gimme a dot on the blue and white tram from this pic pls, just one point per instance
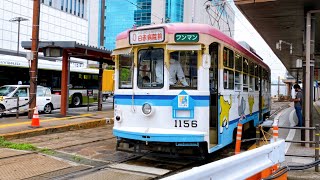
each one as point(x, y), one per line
point(185, 86)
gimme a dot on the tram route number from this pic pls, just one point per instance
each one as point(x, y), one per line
point(185, 123)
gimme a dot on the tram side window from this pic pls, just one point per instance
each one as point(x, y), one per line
point(125, 71)
point(257, 78)
point(245, 74)
point(150, 68)
point(183, 70)
point(251, 72)
point(228, 58)
point(238, 67)
point(228, 79)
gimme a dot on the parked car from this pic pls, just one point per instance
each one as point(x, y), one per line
point(46, 101)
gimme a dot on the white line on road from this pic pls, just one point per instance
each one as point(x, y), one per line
point(292, 132)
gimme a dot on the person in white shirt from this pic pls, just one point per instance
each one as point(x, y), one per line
point(175, 70)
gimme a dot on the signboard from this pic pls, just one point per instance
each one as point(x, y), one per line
point(146, 36)
point(186, 37)
point(89, 92)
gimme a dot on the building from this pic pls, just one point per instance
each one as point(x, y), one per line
point(120, 15)
point(59, 20)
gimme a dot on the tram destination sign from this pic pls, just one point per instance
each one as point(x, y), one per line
point(186, 37)
point(146, 36)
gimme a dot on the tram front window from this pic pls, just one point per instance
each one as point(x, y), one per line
point(183, 70)
point(125, 71)
point(150, 68)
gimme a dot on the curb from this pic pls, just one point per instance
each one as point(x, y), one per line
point(57, 129)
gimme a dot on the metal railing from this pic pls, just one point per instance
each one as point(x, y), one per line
point(316, 142)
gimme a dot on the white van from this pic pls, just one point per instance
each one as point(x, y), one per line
point(46, 101)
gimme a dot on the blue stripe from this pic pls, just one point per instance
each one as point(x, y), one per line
point(158, 137)
point(157, 100)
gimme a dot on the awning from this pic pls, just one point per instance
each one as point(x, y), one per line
point(184, 47)
point(121, 51)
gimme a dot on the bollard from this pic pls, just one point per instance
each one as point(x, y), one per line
point(317, 148)
point(17, 112)
point(238, 138)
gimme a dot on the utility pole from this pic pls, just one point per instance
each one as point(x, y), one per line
point(278, 88)
point(34, 63)
point(18, 19)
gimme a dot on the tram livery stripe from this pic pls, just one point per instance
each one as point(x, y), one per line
point(157, 100)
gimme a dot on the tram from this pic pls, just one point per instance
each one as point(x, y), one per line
point(181, 86)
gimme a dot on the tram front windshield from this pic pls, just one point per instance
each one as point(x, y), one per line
point(150, 69)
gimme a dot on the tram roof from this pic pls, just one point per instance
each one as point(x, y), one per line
point(76, 49)
point(172, 28)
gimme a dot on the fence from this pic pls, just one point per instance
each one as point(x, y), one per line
point(316, 142)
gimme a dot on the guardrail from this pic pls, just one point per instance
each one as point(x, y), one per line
point(239, 166)
point(316, 142)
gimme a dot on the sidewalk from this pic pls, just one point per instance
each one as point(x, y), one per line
point(13, 128)
point(297, 149)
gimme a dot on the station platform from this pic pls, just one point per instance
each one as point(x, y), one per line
point(15, 128)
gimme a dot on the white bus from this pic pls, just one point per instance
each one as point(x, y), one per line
point(15, 68)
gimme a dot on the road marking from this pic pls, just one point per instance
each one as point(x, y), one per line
point(292, 132)
point(46, 120)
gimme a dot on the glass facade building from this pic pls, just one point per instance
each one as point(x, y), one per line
point(174, 10)
point(124, 14)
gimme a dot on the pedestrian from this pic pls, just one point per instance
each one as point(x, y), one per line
point(298, 103)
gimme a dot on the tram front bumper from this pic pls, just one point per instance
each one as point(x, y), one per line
point(159, 135)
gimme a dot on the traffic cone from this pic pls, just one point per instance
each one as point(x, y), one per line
point(238, 138)
point(35, 123)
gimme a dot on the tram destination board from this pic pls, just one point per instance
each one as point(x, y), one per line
point(186, 37)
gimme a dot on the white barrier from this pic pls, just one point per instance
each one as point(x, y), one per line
point(239, 166)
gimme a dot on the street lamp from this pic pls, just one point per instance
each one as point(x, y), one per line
point(18, 19)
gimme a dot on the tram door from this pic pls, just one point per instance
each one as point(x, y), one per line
point(213, 78)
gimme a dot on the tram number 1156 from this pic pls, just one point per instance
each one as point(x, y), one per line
point(185, 123)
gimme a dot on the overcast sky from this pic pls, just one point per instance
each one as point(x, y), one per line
point(245, 32)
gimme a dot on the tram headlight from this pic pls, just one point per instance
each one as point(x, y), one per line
point(146, 109)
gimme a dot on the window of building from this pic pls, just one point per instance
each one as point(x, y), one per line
point(228, 58)
point(67, 5)
point(75, 7)
point(82, 12)
point(70, 6)
point(228, 79)
point(125, 71)
point(183, 70)
point(150, 68)
point(62, 3)
point(79, 7)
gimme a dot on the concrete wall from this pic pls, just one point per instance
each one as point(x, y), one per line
point(93, 18)
point(158, 11)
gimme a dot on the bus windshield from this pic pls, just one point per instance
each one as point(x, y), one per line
point(6, 90)
point(150, 68)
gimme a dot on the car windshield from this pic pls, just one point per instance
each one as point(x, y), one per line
point(6, 90)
